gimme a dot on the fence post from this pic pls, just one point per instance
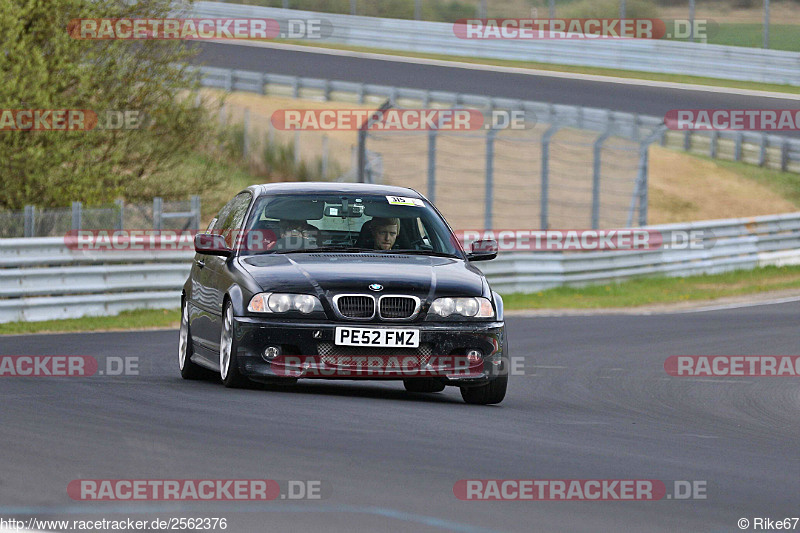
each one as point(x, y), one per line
point(432, 164)
point(687, 140)
point(598, 148)
point(158, 204)
point(76, 215)
point(30, 221)
point(762, 153)
point(120, 203)
point(712, 150)
point(785, 155)
point(246, 137)
point(489, 194)
point(552, 130)
point(229, 81)
point(296, 148)
point(327, 90)
point(296, 87)
point(325, 155)
point(640, 192)
point(737, 147)
point(196, 211)
point(360, 93)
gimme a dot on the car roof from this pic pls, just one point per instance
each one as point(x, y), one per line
point(327, 187)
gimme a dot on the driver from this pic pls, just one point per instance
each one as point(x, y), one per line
point(384, 232)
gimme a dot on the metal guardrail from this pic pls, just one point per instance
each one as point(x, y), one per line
point(41, 279)
point(735, 244)
point(669, 57)
point(758, 148)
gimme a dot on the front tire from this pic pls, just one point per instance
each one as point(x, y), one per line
point(189, 369)
point(492, 392)
point(228, 361)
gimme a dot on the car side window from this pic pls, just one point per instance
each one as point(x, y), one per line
point(231, 217)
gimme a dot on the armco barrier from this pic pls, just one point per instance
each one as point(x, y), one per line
point(41, 279)
point(669, 57)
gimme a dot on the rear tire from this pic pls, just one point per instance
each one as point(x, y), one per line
point(492, 392)
point(228, 361)
point(423, 385)
point(189, 369)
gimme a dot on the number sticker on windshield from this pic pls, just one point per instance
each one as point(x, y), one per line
point(402, 200)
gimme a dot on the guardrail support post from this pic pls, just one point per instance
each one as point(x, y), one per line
point(762, 152)
point(120, 203)
point(432, 165)
point(785, 155)
point(196, 211)
point(29, 223)
point(737, 147)
point(489, 193)
point(296, 87)
point(76, 215)
point(246, 137)
point(598, 149)
point(296, 148)
point(552, 130)
point(687, 140)
point(712, 149)
point(325, 155)
point(327, 90)
point(158, 205)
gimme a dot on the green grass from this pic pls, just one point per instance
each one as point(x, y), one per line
point(786, 184)
point(140, 319)
point(659, 290)
point(628, 74)
point(781, 36)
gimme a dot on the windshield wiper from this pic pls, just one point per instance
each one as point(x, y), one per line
point(324, 249)
point(421, 252)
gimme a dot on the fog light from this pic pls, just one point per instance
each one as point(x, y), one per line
point(474, 356)
point(271, 353)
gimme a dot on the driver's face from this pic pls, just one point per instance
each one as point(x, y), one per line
point(385, 237)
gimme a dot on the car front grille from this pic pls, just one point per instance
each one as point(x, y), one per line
point(334, 355)
point(398, 307)
point(354, 306)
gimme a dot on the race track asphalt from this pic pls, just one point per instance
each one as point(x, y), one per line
point(594, 402)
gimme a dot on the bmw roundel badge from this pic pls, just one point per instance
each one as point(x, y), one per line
point(376, 287)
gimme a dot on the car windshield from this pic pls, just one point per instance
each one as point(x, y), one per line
point(347, 223)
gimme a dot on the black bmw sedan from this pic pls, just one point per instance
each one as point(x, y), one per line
point(341, 281)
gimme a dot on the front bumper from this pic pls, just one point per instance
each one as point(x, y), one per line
point(308, 351)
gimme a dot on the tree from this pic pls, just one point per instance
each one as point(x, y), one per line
point(43, 67)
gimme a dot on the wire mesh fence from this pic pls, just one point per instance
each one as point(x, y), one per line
point(502, 179)
point(56, 222)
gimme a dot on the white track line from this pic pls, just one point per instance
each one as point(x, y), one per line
point(509, 70)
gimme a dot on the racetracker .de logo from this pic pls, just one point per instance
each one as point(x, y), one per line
point(70, 120)
point(174, 489)
point(47, 366)
point(578, 489)
point(389, 120)
point(534, 28)
point(733, 119)
point(173, 28)
point(733, 365)
point(627, 239)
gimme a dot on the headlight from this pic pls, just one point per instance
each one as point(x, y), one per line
point(276, 302)
point(471, 307)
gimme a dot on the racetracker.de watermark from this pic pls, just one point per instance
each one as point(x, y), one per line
point(733, 365)
point(627, 239)
point(583, 28)
point(733, 119)
point(67, 366)
point(578, 490)
point(71, 120)
point(401, 119)
point(173, 28)
point(196, 489)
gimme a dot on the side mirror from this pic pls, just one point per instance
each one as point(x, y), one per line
point(483, 250)
point(211, 244)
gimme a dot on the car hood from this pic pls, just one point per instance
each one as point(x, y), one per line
point(332, 273)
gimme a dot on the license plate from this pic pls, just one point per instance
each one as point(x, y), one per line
point(380, 338)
